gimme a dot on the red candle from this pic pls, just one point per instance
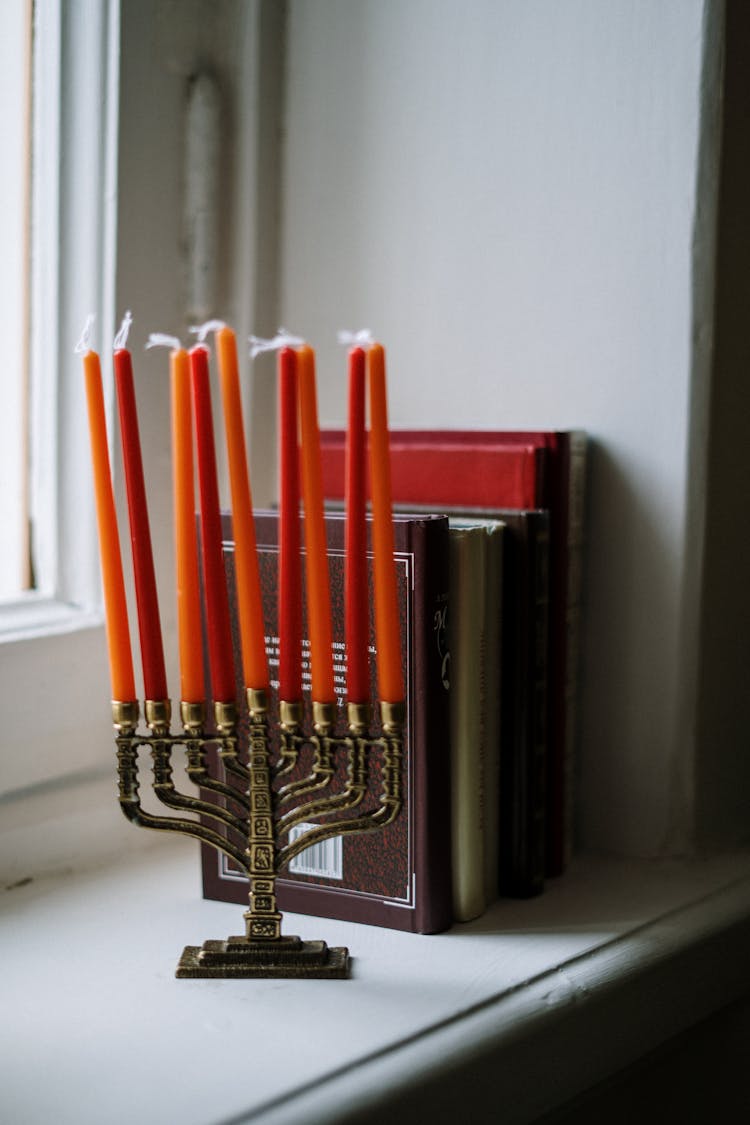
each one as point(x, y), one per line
point(250, 604)
point(387, 627)
point(149, 625)
point(356, 598)
point(290, 595)
point(218, 624)
point(316, 548)
point(192, 685)
point(115, 603)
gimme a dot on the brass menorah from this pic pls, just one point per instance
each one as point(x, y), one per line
point(262, 807)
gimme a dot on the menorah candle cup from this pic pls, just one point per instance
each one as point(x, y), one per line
point(290, 715)
point(193, 716)
point(393, 717)
point(158, 714)
point(225, 715)
point(257, 703)
point(125, 715)
point(324, 717)
point(359, 716)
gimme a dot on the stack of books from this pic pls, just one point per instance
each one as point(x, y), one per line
point(489, 536)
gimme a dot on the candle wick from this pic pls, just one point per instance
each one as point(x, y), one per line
point(162, 340)
point(361, 339)
point(121, 338)
point(282, 339)
point(202, 330)
point(83, 344)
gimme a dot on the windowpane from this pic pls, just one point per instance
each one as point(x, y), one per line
point(15, 50)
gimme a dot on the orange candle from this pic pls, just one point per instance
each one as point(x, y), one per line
point(115, 604)
point(387, 628)
point(192, 682)
point(316, 548)
point(251, 622)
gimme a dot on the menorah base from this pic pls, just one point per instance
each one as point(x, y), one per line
point(239, 957)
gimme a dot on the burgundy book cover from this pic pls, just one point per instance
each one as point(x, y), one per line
point(400, 876)
point(553, 479)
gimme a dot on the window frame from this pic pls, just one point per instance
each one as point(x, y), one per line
point(96, 220)
point(75, 91)
point(74, 225)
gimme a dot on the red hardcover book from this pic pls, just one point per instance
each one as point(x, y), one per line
point(549, 473)
point(480, 475)
point(400, 876)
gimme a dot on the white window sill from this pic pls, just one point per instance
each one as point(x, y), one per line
point(522, 1009)
point(33, 615)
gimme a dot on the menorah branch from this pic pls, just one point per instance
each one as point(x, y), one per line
point(127, 754)
point(350, 797)
point(198, 773)
point(322, 769)
point(169, 795)
point(389, 805)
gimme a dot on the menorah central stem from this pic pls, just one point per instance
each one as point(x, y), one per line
point(262, 919)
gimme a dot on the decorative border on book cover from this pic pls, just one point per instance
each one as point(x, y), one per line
point(379, 867)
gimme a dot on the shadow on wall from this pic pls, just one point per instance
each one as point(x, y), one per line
point(628, 689)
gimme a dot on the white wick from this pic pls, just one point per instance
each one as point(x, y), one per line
point(282, 339)
point(202, 330)
point(83, 344)
point(161, 340)
point(362, 339)
point(121, 338)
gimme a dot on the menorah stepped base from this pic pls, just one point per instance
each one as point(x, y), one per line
point(240, 957)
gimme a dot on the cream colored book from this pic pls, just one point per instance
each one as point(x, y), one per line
point(467, 642)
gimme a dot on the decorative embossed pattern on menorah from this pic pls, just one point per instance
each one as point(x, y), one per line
point(251, 819)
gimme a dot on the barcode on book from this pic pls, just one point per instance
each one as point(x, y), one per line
point(324, 859)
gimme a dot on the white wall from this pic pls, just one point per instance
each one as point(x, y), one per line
point(164, 45)
point(505, 193)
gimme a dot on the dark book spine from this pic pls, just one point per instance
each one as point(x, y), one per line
point(555, 501)
point(539, 663)
point(565, 502)
point(524, 722)
point(430, 726)
point(575, 453)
